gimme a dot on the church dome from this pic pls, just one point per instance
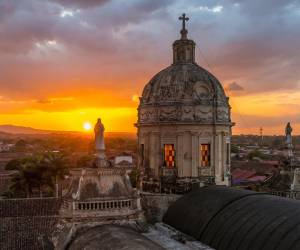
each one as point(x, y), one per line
point(183, 83)
point(184, 91)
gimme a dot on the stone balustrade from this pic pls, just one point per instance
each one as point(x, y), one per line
point(105, 205)
point(287, 194)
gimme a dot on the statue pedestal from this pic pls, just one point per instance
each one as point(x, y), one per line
point(100, 154)
point(101, 161)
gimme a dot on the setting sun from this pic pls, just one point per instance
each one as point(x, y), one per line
point(87, 126)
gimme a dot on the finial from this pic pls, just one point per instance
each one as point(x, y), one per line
point(183, 31)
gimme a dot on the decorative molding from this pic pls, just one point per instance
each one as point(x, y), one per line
point(168, 114)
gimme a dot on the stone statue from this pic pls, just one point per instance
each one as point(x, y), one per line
point(288, 133)
point(99, 139)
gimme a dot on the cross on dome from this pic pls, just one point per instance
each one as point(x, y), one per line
point(184, 19)
point(183, 31)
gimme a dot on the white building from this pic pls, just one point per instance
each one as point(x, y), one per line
point(5, 147)
point(126, 159)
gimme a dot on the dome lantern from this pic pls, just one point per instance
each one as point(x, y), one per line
point(184, 49)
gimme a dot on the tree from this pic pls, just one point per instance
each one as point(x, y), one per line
point(255, 154)
point(13, 164)
point(234, 149)
point(57, 167)
point(85, 161)
point(37, 173)
point(26, 178)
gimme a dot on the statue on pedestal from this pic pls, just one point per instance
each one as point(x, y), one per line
point(99, 143)
point(295, 171)
point(99, 135)
point(288, 140)
point(288, 133)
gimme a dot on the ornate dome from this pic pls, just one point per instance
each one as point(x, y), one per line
point(185, 83)
point(184, 91)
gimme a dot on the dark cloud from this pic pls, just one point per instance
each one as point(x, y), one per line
point(7, 9)
point(265, 55)
point(29, 23)
point(258, 8)
point(151, 5)
point(81, 3)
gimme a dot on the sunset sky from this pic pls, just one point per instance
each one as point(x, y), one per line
point(67, 62)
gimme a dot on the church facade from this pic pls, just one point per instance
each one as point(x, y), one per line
point(184, 124)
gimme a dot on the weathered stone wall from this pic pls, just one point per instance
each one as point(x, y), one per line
point(155, 205)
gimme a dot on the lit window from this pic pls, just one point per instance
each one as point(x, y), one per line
point(169, 155)
point(205, 155)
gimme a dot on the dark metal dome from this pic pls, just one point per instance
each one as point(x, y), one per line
point(227, 218)
point(109, 237)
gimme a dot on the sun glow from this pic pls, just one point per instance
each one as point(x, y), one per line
point(87, 126)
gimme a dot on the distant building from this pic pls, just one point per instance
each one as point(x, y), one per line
point(123, 160)
point(5, 147)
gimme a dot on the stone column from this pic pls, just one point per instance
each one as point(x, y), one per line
point(186, 168)
point(154, 152)
point(218, 160)
point(195, 154)
point(227, 166)
point(179, 154)
point(223, 166)
point(146, 150)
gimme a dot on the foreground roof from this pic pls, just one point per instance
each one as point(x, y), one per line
point(28, 223)
point(227, 218)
